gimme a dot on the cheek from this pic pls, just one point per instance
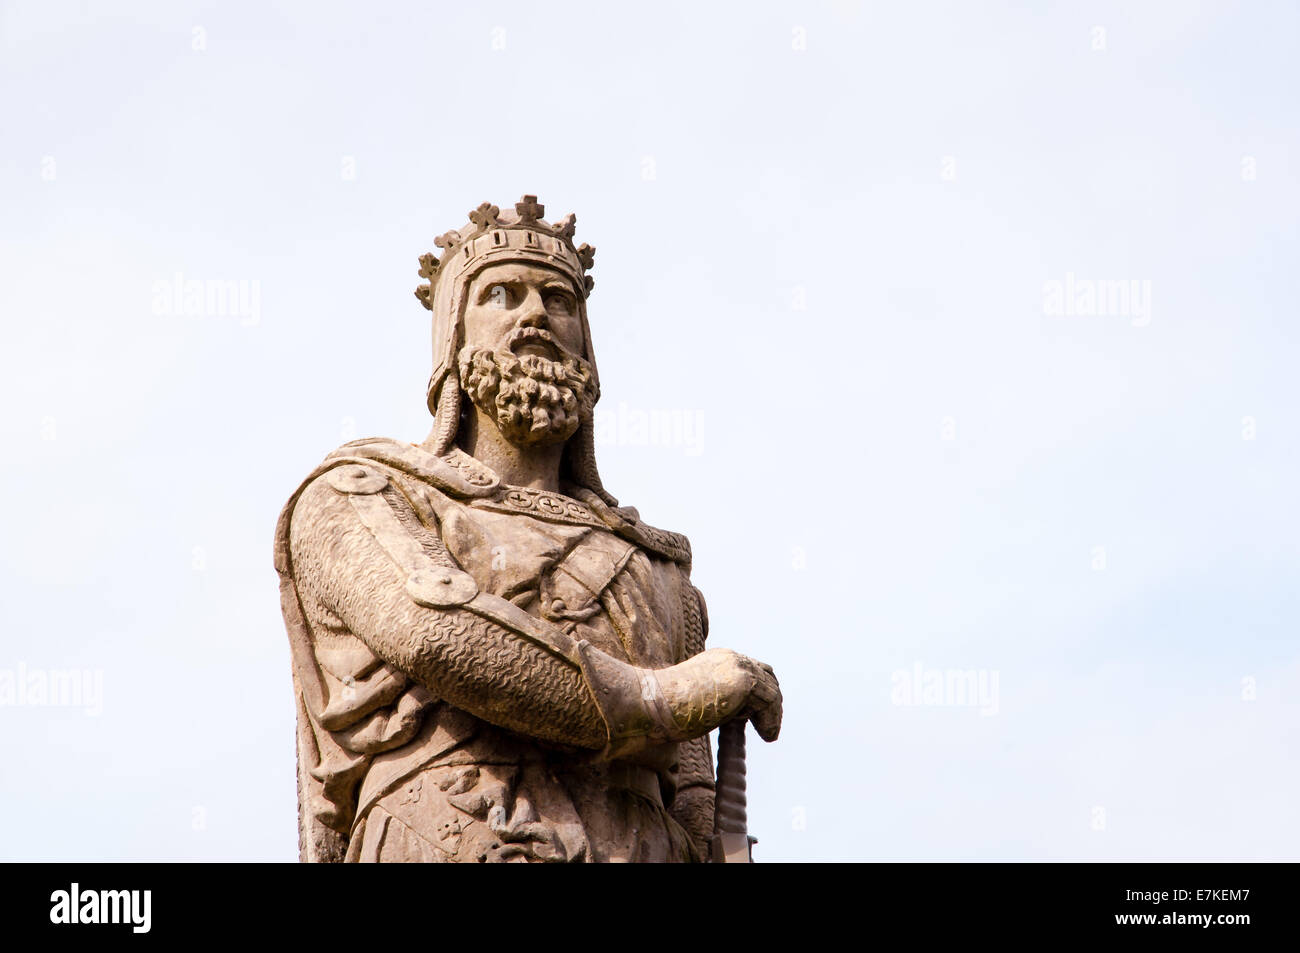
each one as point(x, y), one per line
point(569, 332)
point(484, 326)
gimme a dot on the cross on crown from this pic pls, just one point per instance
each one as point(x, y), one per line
point(528, 209)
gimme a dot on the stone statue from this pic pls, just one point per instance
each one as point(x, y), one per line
point(492, 659)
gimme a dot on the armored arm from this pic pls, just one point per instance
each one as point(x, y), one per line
point(360, 552)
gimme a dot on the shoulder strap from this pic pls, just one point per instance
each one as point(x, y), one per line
point(456, 473)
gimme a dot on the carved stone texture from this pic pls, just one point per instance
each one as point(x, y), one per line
point(493, 660)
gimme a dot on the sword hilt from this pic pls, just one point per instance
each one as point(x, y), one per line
point(731, 840)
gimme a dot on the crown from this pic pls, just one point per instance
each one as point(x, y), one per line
point(507, 236)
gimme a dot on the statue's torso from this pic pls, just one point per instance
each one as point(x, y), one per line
point(462, 789)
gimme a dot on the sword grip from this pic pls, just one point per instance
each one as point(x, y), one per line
point(731, 841)
point(729, 803)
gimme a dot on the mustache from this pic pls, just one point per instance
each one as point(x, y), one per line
point(521, 337)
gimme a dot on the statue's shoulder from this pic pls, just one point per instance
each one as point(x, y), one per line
point(457, 474)
point(368, 467)
point(627, 522)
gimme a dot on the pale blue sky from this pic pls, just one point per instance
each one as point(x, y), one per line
point(824, 232)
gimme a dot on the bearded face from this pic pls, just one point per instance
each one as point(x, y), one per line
point(519, 363)
point(534, 399)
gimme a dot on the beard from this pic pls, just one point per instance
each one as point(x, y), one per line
point(533, 399)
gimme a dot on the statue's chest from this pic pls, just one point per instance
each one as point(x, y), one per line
point(584, 578)
point(508, 554)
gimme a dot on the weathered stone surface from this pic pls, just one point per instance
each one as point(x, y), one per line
point(493, 660)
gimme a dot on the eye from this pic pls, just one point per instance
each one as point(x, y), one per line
point(559, 303)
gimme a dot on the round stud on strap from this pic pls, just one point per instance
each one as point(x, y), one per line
point(440, 588)
point(354, 478)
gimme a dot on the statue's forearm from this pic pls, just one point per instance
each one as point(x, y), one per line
point(491, 672)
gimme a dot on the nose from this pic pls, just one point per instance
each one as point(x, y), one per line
point(533, 312)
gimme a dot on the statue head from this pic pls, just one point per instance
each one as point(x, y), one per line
point(510, 332)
